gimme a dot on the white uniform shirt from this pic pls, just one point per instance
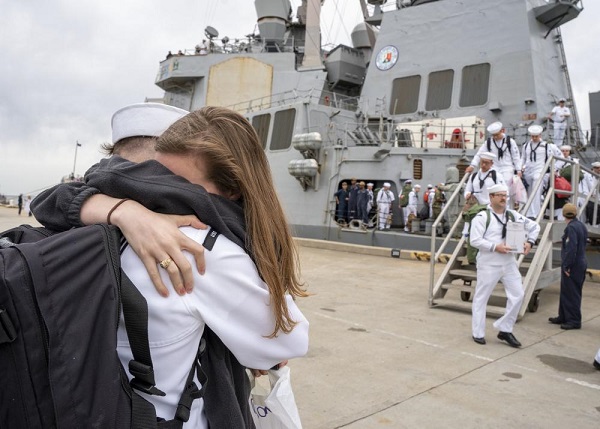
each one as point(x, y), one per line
point(508, 162)
point(413, 199)
point(560, 114)
point(385, 197)
point(534, 157)
point(586, 185)
point(486, 240)
point(231, 298)
point(474, 184)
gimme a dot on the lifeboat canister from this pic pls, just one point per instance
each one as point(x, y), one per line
point(303, 167)
point(307, 141)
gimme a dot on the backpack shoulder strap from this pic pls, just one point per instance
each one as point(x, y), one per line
point(489, 144)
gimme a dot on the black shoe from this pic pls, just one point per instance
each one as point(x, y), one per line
point(555, 320)
point(568, 326)
point(596, 364)
point(479, 340)
point(509, 338)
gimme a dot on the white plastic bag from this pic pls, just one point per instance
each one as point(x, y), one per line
point(275, 409)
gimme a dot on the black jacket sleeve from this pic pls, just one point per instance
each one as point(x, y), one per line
point(58, 208)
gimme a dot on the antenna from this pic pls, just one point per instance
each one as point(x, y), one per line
point(211, 32)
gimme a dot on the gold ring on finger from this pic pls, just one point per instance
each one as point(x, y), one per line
point(165, 263)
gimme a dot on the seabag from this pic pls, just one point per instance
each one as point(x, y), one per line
point(60, 300)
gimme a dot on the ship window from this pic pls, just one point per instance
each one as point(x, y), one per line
point(261, 125)
point(405, 95)
point(418, 169)
point(475, 84)
point(283, 129)
point(439, 90)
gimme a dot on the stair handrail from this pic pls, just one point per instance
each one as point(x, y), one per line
point(540, 258)
point(435, 255)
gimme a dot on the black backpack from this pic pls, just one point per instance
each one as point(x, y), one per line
point(60, 301)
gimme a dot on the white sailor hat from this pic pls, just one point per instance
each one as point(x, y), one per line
point(144, 119)
point(487, 155)
point(369, 184)
point(535, 130)
point(596, 164)
point(430, 186)
point(562, 100)
point(494, 128)
point(417, 186)
point(387, 185)
point(499, 187)
point(565, 147)
point(408, 181)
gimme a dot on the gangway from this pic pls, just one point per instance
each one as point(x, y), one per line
point(456, 282)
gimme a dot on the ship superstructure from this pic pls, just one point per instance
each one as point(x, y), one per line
point(410, 98)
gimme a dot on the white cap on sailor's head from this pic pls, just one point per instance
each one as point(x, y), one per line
point(535, 130)
point(562, 100)
point(370, 184)
point(144, 119)
point(417, 186)
point(430, 186)
point(387, 185)
point(499, 187)
point(596, 164)
point(495, 127)
point(565, 147)
point(487, 155)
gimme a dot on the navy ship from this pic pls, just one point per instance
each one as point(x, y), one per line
point(411, 97)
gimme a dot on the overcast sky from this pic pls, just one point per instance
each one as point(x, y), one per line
point(67, 65)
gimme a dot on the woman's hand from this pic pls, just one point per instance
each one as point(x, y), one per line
point(156, 237)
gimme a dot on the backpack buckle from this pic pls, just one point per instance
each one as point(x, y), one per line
point(8, 333)
point(143, 378)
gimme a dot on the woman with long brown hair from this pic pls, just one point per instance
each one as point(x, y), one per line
point(246, 296)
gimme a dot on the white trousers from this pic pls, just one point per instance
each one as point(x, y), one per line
point(536, 202)
point(384, 211)
point(559, 133)
point(487, 278)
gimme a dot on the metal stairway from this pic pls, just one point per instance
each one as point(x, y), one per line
point(455, 284)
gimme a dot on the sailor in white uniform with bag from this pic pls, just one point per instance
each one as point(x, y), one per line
point(495, 262)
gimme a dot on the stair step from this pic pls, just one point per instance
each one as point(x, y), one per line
point(498, 291)
point(463, 274)
point(491, 310)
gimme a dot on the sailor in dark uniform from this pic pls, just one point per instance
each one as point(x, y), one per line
point(573, 270)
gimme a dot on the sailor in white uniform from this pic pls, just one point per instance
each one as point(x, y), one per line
point(478, 183)
point(508, 158)
point(588, 186)
point(413, 201)
point(385, 197)
point(559, 115)
point(495, 263)
point(536, 153)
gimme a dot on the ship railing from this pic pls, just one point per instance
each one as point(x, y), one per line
point(441, 133)
point(325, 98)
point(239, 46)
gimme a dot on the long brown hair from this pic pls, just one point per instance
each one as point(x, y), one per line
point(237, 165)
